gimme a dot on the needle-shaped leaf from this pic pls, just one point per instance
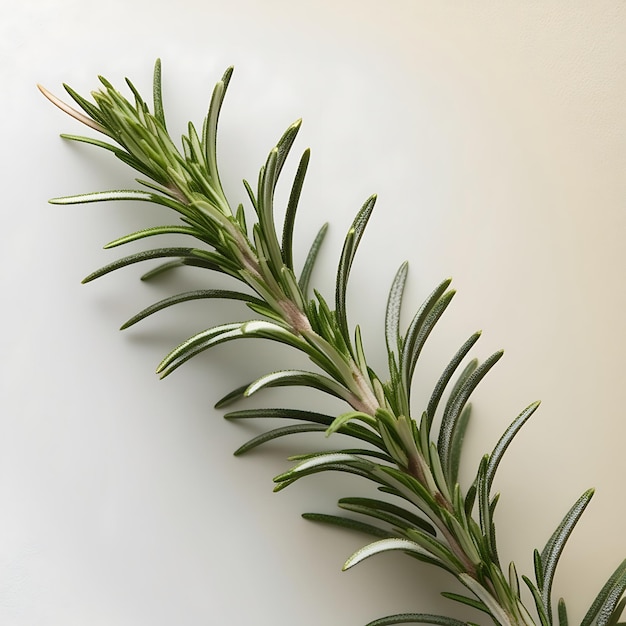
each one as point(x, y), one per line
point(275, 433)
point(505, 440)
point(554, 547)
point(387, 512)
point(445, 377)
point(409, 348)
point(296, 414)
point(95, 142)
point(284, 146)
point(391, 545)
point(118, 194)
point(416, 618)
point(608, 595)
point(392, 314)
point(345, 264)
point(303, 378)
point(321, 462)
point(354, 430)
point(305, 276)
point(209, 134)
point(475, 604)
point(344, 418)
point(487, 599)
point(562, 613)
point(157, 97)
point(151, 232)
point(139, 257)
point(456, 445)
point(539, 605)
point(350, 524)
point(196, 344)
point(200, 294)
point(292, 206)
point(453, 412)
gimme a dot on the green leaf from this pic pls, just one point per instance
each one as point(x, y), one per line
point(390, 545)
point(275, 433)
point(505, 440)
point(562, 612)
point(151, 232)
point(445, 377)
point(267, 184)
point(353, 430)
point(305, 276)
point(157, 97)
point(346, 522)
point(387, 512)
point(284, 145)
point(416, 618)
point(608, 596)
point(541, 608)
point(487, 599)
point(296, 414)
point(196, 344)
point(392, 314)
point(345, 264)
point(327, 461)
point(610, 615)
point(139, 257)
point(209, 134)
point(292, 206)
point(286, 378)
point(409, 358)
point(554, 547)
point(456, 445)
point(231, 396)
point(200, 294)
point(89, 108)
point(120, 194)
point(453, 411)
point(475, 604)
point(344, 418)
point(97, 142)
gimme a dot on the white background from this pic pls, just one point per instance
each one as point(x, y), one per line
point(494, 135)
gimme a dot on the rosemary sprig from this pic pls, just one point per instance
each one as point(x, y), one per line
point(428, 516)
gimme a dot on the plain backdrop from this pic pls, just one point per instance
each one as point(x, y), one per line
point(494, 135)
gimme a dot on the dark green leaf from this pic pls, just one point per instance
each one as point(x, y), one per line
point(416, 618)
point(453, 411)
point(456, 445)
point(200, 294)
point(445, 377)
point(275, 433)
point(292, 206)
point(345, 263)
point(608, 596)
point(232, 396)
point(284, 146)
point(476, 604)
point(505, 440)
point(309, 416)
point(305, 276)
point(394, 515)
point(408, 356)
point(554, 547)
point(137, 258)
point(562, 611)
point(346, 522)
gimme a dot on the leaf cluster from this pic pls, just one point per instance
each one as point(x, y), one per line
point(419, 506)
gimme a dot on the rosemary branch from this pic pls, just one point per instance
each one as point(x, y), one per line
point(428, 515)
